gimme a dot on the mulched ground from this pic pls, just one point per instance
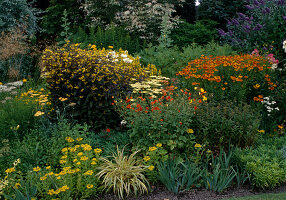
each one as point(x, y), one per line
point(161, 193)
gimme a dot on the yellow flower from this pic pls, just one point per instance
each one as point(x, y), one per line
point(64, 157)
point(97, 150)
point(36, 169)
point(89, 172)
point(84, 158)
point(198, 146)
point(158, 145)
point(17, 185)
point(1, 83)
point(24, 80)
point(63, 99)
point(93, 163)
point(64, 149)
point(69, 139)
point(261, 131)
point(63, 161)
point(80, 154)
point(75, 160)
point(146, 158)
point(78, 163)
point(151, 168)
point(51, 173)
point(204, 98)
point(89, 186)
point(10, 170)
point(256, 86)
point(48, 167)
point(51, 192)
point(280, 126)
point(110, 47)
point(152, 148)
point(190, 131)
point(43, 178)
point(59, 177)
point(38, 113)
point(79, 139)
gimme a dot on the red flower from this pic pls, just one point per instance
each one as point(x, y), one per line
point(128, 106)
point(108, 130)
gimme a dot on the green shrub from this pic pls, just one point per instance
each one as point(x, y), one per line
point(16, 117)
point(85, 82)
point(165, 118)
point(74, 176)
point(171, 60)
point(202, 32)
point(264, 163)
point(116, 37)
point(226, 123)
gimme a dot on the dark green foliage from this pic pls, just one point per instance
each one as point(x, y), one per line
point(226, 123)
point(51, 22)
point(171, 60)
point(202, 32)
point(220, 10)
point(114, 36)
point(17, 13)
point(178, 176)
point(187, 11)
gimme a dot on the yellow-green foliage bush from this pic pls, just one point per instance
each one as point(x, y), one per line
point(91, 78)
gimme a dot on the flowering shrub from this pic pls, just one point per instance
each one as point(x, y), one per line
point(261, 27)
point(90, 78)
point(75, 176)
point(165, 119)
point(240, 77)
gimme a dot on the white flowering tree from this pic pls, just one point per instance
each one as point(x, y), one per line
point(143, 17)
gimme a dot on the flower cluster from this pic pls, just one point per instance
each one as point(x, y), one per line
point(269, 105)
point(90, 77)
point(226, 75)
point(79, 162)
point(164, 118)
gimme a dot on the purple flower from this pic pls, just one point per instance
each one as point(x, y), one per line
point(221, 32)
point(249, 7)
point(242, 16)
point(235, 22)
point(258, 27)
point(266, 11)
point(262, 2)
point(281, 2)
point(256, 2)
point(284, 17)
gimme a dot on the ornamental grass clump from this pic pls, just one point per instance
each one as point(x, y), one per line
point(123, 174)
point(242, 77)
point(90, 78)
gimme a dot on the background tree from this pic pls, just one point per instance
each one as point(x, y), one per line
point(17, 13)
point(51, 22)
point(220, 10)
